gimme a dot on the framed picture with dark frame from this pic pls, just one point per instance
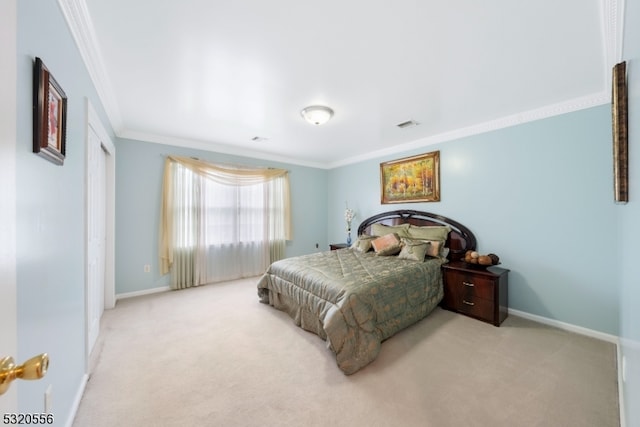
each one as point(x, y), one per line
point(620, 133)
point(49, 115)
point(411, 179)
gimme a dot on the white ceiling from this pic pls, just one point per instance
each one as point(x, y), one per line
point(216, 73)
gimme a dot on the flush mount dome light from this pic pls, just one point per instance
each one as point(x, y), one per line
point(317, 114)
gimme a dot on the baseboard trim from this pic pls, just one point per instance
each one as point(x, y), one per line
point(567, 326)
point(623, 420)
point(76, 401)
point(141, 293)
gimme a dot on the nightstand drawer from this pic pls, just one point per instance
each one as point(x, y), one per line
point(470, 285)
point(477, 307)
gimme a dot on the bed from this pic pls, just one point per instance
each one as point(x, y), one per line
point(355, 298)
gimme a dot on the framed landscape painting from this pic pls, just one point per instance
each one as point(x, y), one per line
point(411, 179)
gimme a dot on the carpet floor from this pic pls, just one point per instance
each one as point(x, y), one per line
point(214, 356)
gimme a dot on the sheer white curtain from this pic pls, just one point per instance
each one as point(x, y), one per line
point(235, 235)
point(187, 228)
point(276, 192)
point(218, 225)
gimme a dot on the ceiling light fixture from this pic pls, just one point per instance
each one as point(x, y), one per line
point(317, 114)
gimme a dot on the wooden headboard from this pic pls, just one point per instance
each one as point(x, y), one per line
point(460, 239)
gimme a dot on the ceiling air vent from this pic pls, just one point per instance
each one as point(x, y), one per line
point(407, 124)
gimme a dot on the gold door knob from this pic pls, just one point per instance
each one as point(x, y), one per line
point(33, 369)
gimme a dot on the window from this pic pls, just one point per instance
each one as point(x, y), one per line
point(221, 223)
point(234, 214)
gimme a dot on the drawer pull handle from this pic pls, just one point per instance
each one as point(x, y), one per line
point(468, 303)
point(468, 284)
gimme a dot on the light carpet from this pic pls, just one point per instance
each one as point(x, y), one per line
point(214, 356)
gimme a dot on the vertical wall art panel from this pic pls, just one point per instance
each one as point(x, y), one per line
point(620, 133)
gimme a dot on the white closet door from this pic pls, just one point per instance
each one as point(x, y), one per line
point(96, 235)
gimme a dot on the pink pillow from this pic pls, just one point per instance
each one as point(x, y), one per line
point(386, 245)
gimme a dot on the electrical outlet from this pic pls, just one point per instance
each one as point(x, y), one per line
point(47, 399)
point(317, 246)
point(147, 268)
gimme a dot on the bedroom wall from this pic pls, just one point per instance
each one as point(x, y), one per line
point(539, 195)
point(629, 230)
point(139, 168)
point(50, 216)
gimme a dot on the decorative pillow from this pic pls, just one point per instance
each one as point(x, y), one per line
point(430, 232)
point(413, 249)
point(390, 250)
point(434, 248)
point(444, 253)
point(386, 245)
point(363, 243)
point(383, 230)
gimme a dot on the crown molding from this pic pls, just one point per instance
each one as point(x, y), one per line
point(612, 36)
point(79, 21)
point(217, 148)
point(613, 30)
point(572, 105)
point(569, 106)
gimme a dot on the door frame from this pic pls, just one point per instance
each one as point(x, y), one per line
point(93, 122)
point(8, 201)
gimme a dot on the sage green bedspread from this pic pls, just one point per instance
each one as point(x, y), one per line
point(351, 299)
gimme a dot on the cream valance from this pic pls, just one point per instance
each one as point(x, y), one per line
point(228, 175)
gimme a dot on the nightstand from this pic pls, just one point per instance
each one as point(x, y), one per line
point(479, 293)
point(334, 246)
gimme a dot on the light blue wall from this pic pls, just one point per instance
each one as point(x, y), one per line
point(629, 232)
point(539, 195)
point(50, 213)
point(139, 167)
